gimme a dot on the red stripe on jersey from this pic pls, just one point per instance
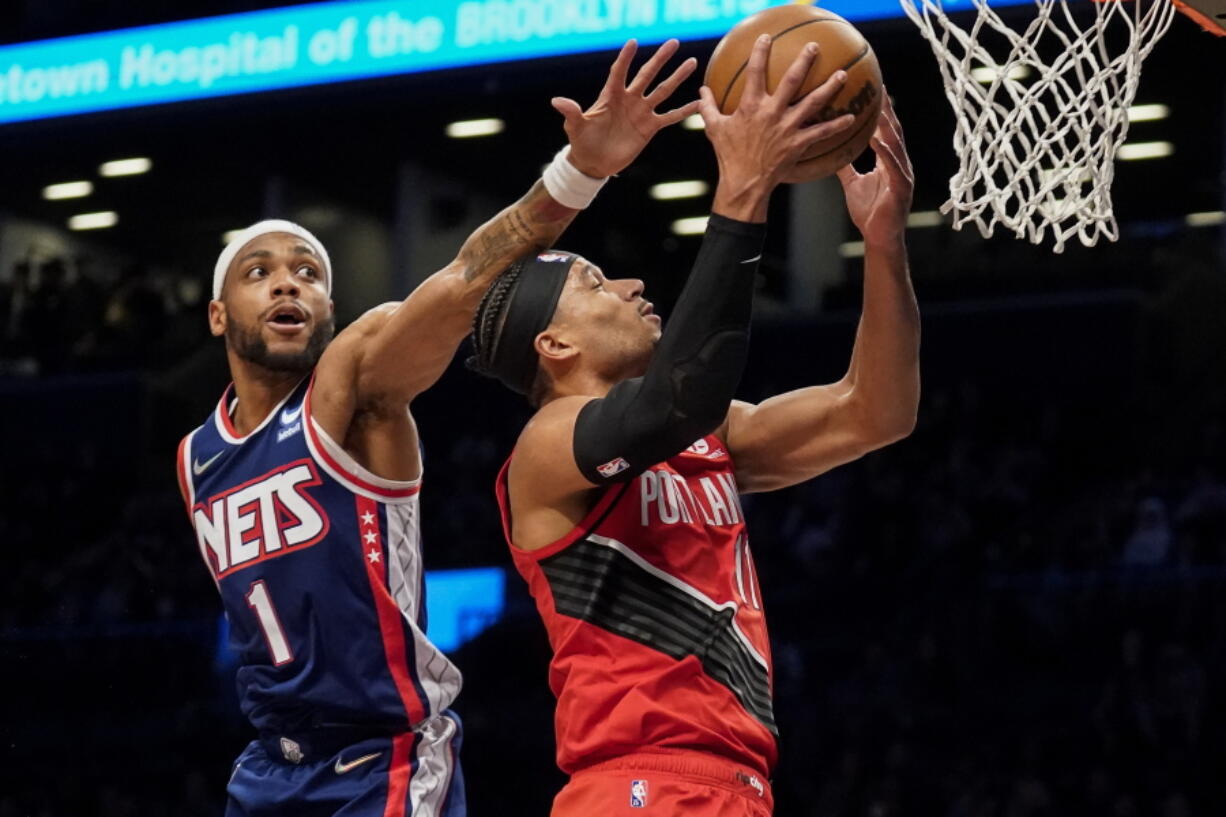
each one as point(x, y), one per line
point(181, 475)
point(224, 411)
point(503, 495)
point(399, 774)
point(391, 619)
point(347, 473)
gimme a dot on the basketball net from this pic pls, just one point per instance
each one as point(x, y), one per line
point(1040, 111)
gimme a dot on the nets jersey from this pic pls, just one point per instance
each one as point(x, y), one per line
point(652, 608)
point(319, 567)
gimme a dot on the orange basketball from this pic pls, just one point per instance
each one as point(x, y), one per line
point(840, 46)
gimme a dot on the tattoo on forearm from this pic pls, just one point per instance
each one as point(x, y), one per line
point(532, 222)
point(508, 237)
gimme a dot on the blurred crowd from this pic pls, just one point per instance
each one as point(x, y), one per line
point(989, 622)
point(64, 315)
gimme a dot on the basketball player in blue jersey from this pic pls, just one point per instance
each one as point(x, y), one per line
point(303, 487)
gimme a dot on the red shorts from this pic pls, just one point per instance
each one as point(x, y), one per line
point(665, 785)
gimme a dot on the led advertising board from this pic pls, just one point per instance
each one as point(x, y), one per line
point(339, 41)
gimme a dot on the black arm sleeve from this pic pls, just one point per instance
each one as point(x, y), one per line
point(694, 370)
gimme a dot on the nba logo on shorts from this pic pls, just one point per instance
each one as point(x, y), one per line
point(638, 793)
point(291, 750)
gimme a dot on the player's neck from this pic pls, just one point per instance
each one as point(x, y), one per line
point(258, 390)
point(579, 384)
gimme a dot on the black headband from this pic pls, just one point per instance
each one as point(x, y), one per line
point(532, 303)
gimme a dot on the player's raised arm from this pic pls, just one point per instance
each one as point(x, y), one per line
point(798, 435)
point(409, 347)
point(697, 363)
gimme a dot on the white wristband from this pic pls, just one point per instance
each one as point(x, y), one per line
point(568, 185)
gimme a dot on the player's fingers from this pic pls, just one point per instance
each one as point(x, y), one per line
point(889, 133)
point(889, 116)
point(647, 74)
point(847, 174)
point(755, 72)
point(621, 66)
point(887, 109)
point(785, 92)
point(900, 147)
point(885, 155)
point(569, 108)
point(665, 89)
point(891, 160)
point(889, 121)
point(824, 130)
point(706, 106)
point(820, 97)
point(677, 114)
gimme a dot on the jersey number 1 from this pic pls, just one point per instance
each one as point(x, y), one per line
point(259, 600)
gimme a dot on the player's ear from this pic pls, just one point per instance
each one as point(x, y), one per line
point(217, 318)
point(552, 345)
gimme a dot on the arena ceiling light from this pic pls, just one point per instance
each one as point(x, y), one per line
point(1214, 218)
point(1054, 176)
point(679, 190)
point(1144, 150)
point(1148, 113)
point(67, 190)
point(852, 249)
point(126, 167)
point(988, 74)
point(925, 218)
point(94, 221)
point(693, 122)
point(468, 128)
point(229, 235)
point(696, 225)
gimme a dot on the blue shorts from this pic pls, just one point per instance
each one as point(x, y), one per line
point(310, 775)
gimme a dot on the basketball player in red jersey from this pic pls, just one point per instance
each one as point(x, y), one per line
point(302, 487)
point(620, 500)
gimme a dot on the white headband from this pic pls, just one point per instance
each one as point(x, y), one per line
point(272, 225)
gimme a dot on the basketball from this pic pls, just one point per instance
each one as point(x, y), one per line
point(840, 46)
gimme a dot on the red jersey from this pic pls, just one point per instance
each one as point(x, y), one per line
point(653, 612)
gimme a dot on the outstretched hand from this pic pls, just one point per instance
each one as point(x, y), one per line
point(880, 200)
point(609, 135)
point(758, 143)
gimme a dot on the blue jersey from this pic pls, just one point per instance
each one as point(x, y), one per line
point(318, 562)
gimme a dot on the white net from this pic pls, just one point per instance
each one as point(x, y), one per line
point(1041, 111)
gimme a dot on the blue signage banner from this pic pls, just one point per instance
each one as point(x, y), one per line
point(462, 603)
point(338, 41)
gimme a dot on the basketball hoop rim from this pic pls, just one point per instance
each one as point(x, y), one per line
point(1216, 27)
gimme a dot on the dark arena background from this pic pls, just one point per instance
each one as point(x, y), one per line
point(1018, 611)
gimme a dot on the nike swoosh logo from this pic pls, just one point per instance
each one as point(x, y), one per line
point(342, 768)
point(757, 257)
point(288, 417)
point(199, 467)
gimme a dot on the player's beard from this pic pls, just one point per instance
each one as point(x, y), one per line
point(630, 360)
point(248, 344)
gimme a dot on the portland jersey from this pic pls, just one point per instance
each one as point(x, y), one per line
point(318, 563)
point(652, 608)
